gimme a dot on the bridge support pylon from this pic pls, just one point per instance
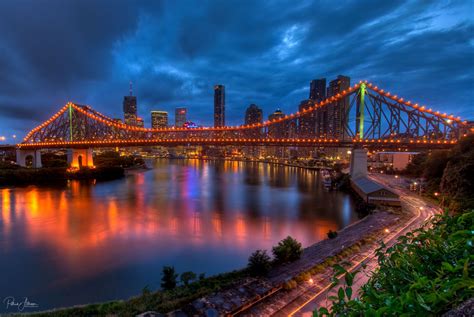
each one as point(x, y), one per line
point(358, 163)
point(79, 158)
point(22, 156)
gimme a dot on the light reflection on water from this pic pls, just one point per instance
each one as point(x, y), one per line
point(86, 242)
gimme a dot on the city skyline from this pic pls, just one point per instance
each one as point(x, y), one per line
point(272, 70)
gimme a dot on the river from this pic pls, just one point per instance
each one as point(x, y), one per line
point(85, 242)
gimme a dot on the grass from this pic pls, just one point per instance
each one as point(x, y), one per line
point(161, 301)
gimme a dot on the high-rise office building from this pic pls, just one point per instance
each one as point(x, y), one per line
point(130, 110)
point(253, 114)
point(317, 89)
point(277, 130)
point(159, 119)
point(337, 116)
point(307, 122)
point(219, 106)
point(180, 117)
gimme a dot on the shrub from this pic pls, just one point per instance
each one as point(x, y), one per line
point(259, 263)
point(302, 277)
point(168, 281)
point(287, 250)
point(332, 234)
point(187, 277)
point(291, 284)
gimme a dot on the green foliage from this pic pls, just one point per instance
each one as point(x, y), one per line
point(259, 263)
point(291, 284)
point(53, 160)
point(168, 280)
point(416, 167)
point(287, 250)
point(428, 272)
point(449, 172)
point(457, 183)
point(332, 234)
point(112, 158)
point(162, 301)
point(187, 277)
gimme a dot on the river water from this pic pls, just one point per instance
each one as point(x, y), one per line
point(85, 242)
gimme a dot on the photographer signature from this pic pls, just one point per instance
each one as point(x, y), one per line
point(10, 302)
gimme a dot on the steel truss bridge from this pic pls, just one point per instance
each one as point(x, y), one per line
point(360, 116)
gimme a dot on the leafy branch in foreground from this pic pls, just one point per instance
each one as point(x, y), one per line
point(427, 272)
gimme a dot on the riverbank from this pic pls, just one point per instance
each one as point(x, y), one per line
point(33, 176)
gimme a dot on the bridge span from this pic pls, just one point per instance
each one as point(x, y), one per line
point(363, 116)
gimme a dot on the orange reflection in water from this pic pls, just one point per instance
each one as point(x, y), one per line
point(6, 209)
point(93, 228)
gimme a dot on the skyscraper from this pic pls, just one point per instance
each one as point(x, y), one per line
point(130, 108)
point(307, 122)
point(338, 117)
point(277, 130)
point(253, 114)
point(159, 119)
point(180, 117)
point(317, 89)
point(219, 106)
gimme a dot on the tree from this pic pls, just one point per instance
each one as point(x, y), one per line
point(259, 263)
point(168, 281)
point(287, 250)
point(188, 276)
point(417, 166)
point(457, 183)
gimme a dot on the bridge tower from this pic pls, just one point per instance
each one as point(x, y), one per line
point(80, 158)
point(359, 155)
point(22, 155)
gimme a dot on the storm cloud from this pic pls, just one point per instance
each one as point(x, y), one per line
point(264, 52)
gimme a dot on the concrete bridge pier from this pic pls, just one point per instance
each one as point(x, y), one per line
point(23, 155)
point(358, 163)
point(80, 158)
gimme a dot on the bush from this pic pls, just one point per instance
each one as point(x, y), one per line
point(332, 234)
point(187, 277)
point(302, 277)
point(291, 284)
point(259, 263)
point(287, 250)
point(168, 281)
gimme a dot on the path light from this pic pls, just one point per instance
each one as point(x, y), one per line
point(387, 230)
point(421, 208)
point(310, 281)
point(436, 194)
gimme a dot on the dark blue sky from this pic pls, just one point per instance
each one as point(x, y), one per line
point(264, 52)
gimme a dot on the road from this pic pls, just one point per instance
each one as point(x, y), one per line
point(421, 210)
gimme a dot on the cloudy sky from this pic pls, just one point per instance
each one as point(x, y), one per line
point(264, 52)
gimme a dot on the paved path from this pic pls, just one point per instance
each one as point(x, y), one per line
point(410, 202)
